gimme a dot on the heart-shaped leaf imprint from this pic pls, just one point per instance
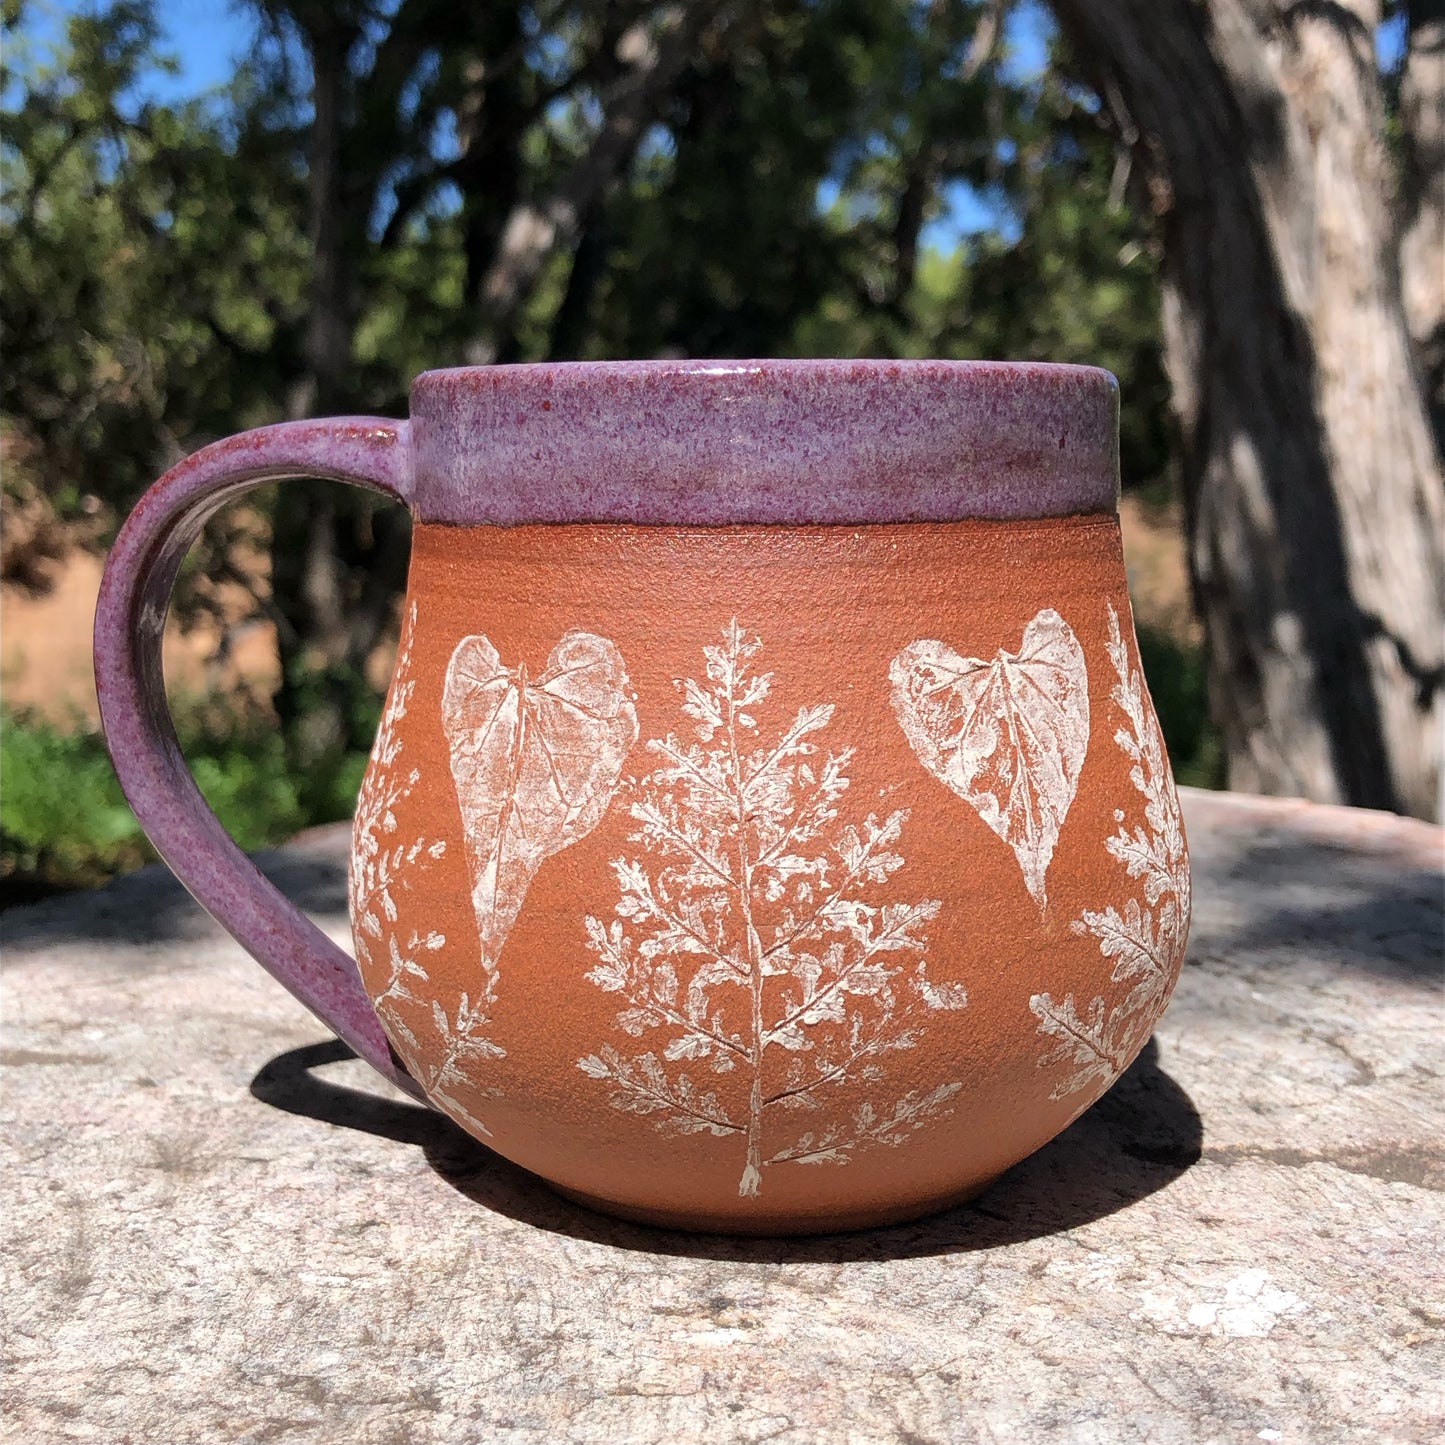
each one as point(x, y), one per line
point(535, 760)
point(1007, 735)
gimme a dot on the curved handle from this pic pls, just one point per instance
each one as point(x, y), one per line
point(129, 621)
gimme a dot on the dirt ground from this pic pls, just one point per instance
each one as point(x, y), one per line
point(1159, 568)
point(45, 640)
point(45, 649)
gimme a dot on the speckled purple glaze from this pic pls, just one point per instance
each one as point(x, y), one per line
point(683, 443)
point(129, 621)
point(706, 443)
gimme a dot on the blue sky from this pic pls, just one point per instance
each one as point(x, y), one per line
point(206, 37)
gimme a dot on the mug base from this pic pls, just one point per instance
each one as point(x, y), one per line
point(776, 1225)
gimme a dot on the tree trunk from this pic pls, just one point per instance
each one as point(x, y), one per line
point(1312, 488)
point(327, 343)
point(493, 116)
point(336, 557)
point(1422, 244)
point(589, 266)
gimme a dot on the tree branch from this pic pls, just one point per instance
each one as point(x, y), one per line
point(534, 230)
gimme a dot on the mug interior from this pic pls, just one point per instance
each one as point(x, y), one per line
point(718, 443)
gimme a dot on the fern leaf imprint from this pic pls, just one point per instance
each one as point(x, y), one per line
point(750, 944)
point(1145, 941)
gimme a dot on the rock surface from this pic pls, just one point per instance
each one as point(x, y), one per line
point(218, 1228)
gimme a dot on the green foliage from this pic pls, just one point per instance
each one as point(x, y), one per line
point(326, 786)
point(64, 822)
point(62, 816)
point(1080, 285)
point(1070, 276)
point(162, 287)
point(1178, 683)
point(717, 247)
point(155, 264)
point(332, 221)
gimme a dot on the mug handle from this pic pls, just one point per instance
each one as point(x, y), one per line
point(130, 615)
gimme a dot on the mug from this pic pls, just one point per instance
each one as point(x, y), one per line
point(768, 829)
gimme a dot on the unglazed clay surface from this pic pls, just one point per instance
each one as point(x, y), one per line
point(756, 920)
point(769, 878)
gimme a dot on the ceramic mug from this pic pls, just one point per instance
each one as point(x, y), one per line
point(768, 829)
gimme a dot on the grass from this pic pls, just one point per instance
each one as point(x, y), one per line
point(64, 822)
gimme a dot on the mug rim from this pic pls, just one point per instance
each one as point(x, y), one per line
point(806, 441)
point(842, 368)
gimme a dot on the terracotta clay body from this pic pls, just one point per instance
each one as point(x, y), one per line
point(788, 972)
point(767, 878)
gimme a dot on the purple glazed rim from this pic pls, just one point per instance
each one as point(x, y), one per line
point(711, 443)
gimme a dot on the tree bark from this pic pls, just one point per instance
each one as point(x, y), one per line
point(1313, 490)
point(1422, 243)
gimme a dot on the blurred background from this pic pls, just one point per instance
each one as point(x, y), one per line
point(216, 216)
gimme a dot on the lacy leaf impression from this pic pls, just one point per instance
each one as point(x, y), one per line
point(383, 863)
point(1146, 941)
point(1008, 735)
point(535, 760)
point(758, 948)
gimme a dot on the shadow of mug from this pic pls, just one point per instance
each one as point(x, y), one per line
point(1143, 1134)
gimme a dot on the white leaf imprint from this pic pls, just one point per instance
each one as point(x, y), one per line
point(1007, 735)
point(750, 942)
point(383, 863)
point(535, 761)
point(1146, 940)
